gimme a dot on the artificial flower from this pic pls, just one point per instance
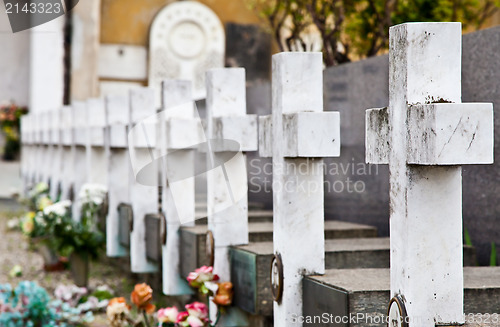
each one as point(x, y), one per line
point(59, 208)
point(43, 202)
point(182, 317)
point(224, 295)
point(28, 225)
point(201, 275)
point(198, 310)
point(168, 315)
point(141, 296)
point(194, 321)
point(117, 311)
point(92, 193)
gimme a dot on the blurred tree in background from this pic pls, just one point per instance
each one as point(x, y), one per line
point(348, 29)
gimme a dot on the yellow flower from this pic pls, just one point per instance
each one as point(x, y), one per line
point(44, 202)
point(28, 226)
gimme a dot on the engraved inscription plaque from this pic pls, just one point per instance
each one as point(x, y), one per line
point(126, 223)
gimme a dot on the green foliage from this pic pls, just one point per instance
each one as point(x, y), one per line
point(360, 28)
point(493, 255)
point(468, 240)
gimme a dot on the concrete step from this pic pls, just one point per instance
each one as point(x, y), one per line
point(193, 239)
point(250, 265)
point(366, 292)
point(254, 215)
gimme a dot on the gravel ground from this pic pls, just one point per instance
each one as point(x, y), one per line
point(15, 250)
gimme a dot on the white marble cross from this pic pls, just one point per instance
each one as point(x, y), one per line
point(56, 167)
point(231, 132)
point(180, 131)
point(297, 136)
point(68, 153)
point(37, 146)
point(98, 169)
point(144, 182)
point(117, 118)
point(81, 164)
point(28, 150)
point(45, 146)
point(425, 136)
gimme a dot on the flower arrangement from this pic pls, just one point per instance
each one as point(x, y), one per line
point(52, 224)
point(120, 313)
point(30, 305)
point(9, 123)
point(195, 314)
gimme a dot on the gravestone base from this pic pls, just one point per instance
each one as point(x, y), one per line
point(366, 292)
point(250, 266)
point(193, 239)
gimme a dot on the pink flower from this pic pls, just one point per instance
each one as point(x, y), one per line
point(195, 322)
point(168, 314)
point(198, 310)
point(201, 275)
point(182, 316)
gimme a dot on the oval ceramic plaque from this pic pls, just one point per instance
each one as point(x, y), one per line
point(277, 277)
point(210, 248)
point(396, 313)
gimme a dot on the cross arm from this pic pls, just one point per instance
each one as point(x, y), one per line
point(450, 134)
point(438, 134)
point(242, 129)
point(377, 136)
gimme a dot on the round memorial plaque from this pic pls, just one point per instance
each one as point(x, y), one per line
point(186, 39)
point(396, 313)
point(210, 248)
point(277, 277)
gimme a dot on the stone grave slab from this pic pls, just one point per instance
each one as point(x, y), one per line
point(364, 293)
point(193, 239)
point(250, 266)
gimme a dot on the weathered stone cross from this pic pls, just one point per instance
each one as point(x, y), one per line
point(96, 128)
point(81, 154)
point(179, 133)
point(231, 132)
point(117, 119)
point(298, 136)
point(424, 136)
point(143, 188)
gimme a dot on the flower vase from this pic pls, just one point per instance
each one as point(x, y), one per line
point(79, 269)
point(49, 256)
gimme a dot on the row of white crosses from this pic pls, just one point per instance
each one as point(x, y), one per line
point(425, 136)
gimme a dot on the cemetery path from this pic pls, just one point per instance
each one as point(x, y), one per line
point(16, 250)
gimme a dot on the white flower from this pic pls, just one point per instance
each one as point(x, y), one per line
point(58, 208)
point(92, 193)
point(115, 311)
point(38, 189)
